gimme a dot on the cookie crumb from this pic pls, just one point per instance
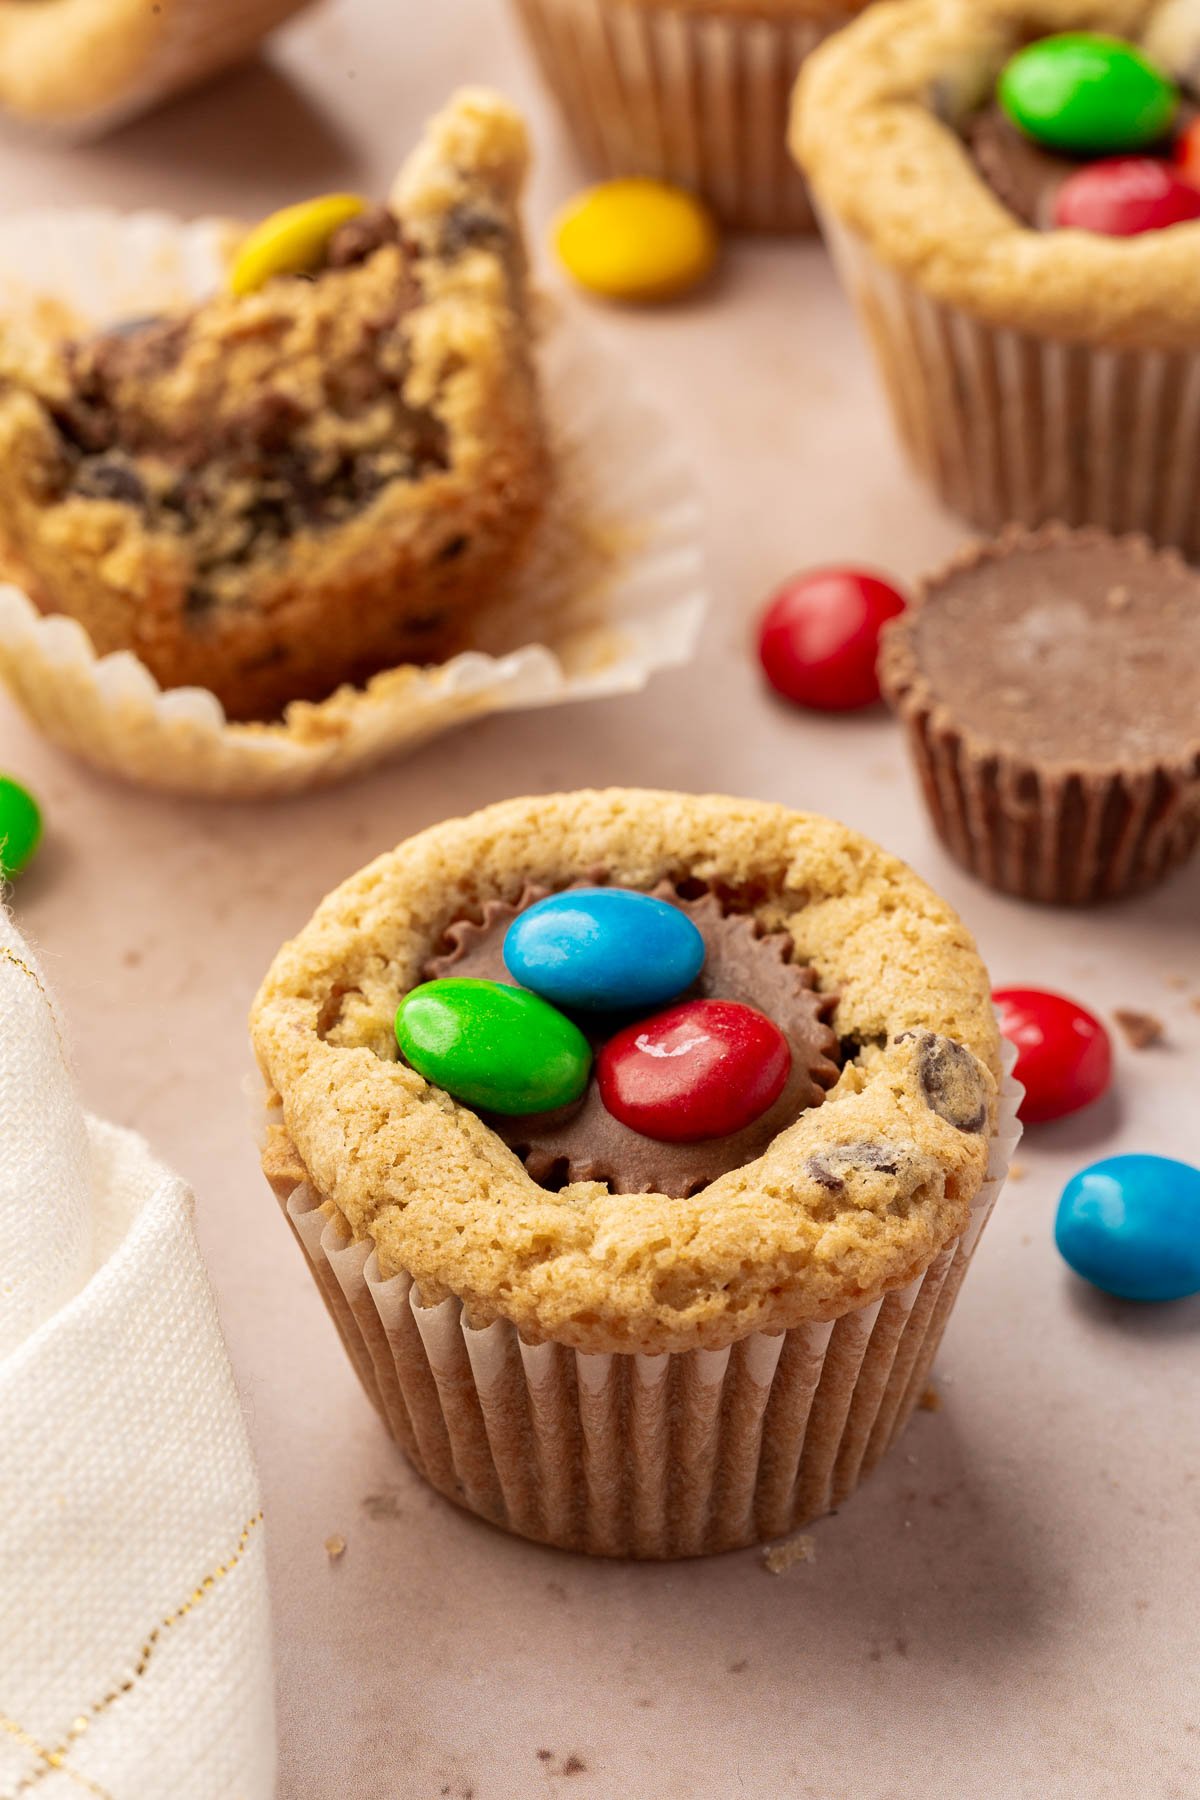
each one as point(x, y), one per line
point(1140, 1030)
point(779, 1558)
point(931, 1400)
point(1017, 1171)
point(335, 1547)
point(384, 1505)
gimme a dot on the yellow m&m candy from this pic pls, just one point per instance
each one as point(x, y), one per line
point(291, 242)
point(637, 240)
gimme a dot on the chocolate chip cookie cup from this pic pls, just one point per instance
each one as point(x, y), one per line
point(79, 69)
point(1033, 374)
point(598, 1338)
point(262, 540)
point(690, 91)
point(1049, 684)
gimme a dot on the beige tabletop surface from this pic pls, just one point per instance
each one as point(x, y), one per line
point(1009, 1607)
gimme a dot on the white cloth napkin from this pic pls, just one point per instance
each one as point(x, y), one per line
point(135, 1651)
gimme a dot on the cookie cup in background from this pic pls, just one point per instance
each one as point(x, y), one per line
point(694, 92)
point(585, 574)
point(640, 1373)
point(1032, 375)
point(80, 68)
point(1049, 685)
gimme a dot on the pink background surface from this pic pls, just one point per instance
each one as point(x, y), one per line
point(1009, 1607)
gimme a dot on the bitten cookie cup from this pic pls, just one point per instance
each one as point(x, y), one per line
point(1049, 684)
point(1032, 376)
point(607, 588)
point(628, 1373)
point(690, 91)
point(80, 67)
point(297, 485)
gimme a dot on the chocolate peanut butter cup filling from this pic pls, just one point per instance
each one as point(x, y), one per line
point(1024, 175)
point(585, 1142)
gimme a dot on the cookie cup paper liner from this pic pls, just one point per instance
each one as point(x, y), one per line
point(613, 589)
point(696, 98)
point(1010, 428)
point(642, 1456)
point(1061, 834)
point(96, 77)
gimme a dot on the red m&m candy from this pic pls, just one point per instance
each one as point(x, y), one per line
point(1064, 1055)
point(819, 638)
point(1124, 196)
point(703, 1069)
point(1185, 153)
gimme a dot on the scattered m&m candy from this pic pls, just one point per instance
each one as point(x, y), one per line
point(604, 950)
point(1064, 1054)
point(1131, 1226)
point(20, 827)
point(1124, 196)
point(818, 641)
point(703, 1069)
point(291, 242)
point(493, 1046)
point(1087, 94)
point(637, 240)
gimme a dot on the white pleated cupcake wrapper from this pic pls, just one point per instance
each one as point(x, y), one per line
point(614, 589)
point(195, 39)
point(700, 99)
point(643, 1456)
point(1010, 428)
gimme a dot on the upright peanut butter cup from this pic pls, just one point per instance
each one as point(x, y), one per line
point(1050, 686)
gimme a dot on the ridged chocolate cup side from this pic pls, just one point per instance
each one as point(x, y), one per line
point(696, 98)
point(1068, 834)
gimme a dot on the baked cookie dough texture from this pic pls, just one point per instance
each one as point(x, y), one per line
point(82, 65)
point(876, 126)
point(280, 492)
point(855, 1198)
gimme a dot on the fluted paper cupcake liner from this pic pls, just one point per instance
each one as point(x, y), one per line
point(697, 98)
point(642, 1456)
point(613, 590)
point(1067, 836)
point(1009, 428)
point(85, 78)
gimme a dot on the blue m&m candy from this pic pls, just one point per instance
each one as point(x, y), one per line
point(604, 950)
point(1131, 1226)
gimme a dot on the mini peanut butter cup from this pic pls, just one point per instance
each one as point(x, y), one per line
point(1049, 683)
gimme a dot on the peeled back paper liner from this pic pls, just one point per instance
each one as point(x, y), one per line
point(699, 98)
point(1009, 428)
point(612, 592)
point(643, 1456)
point(65, 70)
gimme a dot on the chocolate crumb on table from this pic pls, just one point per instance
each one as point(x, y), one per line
point(1140, 1030)
point(931, 1400)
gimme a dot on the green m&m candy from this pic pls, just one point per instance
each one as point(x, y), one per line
point(491, 1046)
point(20, 827)
point(1087, 95)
